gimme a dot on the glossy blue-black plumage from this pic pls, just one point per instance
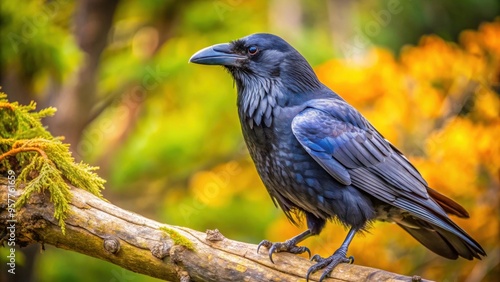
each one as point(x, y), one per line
point(318, 155)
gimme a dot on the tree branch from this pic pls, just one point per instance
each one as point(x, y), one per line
point(99, 229)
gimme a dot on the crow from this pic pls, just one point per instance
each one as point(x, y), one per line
point(318, 156)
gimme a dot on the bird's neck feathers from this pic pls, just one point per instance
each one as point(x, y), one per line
point(299, 76)
point(257, 98)
point(258, 95)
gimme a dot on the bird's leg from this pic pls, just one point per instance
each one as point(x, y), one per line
point(289, 245)
point(329, 263)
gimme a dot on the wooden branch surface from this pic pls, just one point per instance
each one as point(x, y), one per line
point(101, 230)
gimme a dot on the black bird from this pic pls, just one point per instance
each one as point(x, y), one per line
point(317, 155)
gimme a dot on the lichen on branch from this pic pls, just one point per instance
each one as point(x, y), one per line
point(40, 160)
point(178, 238)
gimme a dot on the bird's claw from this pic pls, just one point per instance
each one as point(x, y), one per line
point(328, 263)
point(288, 246)
point(264, 243)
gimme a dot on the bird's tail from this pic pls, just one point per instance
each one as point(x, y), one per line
point(448, 244)
point(448, 205)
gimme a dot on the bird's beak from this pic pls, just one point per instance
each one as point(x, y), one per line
point(220, 54)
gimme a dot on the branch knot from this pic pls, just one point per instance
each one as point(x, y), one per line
point(112, 245)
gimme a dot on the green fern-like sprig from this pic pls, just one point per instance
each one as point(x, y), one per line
point(41, 160)
point(49, 177)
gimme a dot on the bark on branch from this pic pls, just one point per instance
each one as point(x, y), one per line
point(99, 229)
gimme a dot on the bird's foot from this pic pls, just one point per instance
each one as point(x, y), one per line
point(288, 246)
point(329, 263)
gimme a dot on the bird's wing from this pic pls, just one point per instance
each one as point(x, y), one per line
point(340, 139)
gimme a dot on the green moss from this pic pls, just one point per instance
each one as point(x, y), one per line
point(40, 160)
point(178, 238)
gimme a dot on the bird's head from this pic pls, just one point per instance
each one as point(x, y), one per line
point(263, 58)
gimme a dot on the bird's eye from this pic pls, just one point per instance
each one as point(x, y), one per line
point(252, 50)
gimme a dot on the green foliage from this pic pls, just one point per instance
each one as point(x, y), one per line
point(40, 160)
point(35, 38)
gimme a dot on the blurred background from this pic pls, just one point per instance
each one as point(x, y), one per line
point(166, 134)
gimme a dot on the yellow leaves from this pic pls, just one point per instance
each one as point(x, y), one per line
point(489, 35)
point(452, 153)
point(454, 140)
point(361, 83)
point(487, 105)
point(219, 185)
point(431, 101)
point(485, 40)
point(213, 188)
point(438, 62)
point(282, 229)
point(462, 150)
